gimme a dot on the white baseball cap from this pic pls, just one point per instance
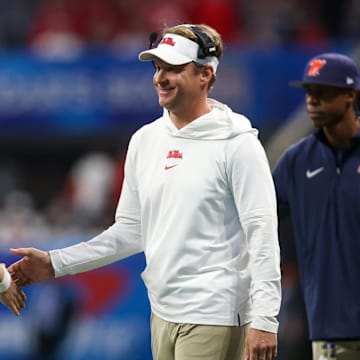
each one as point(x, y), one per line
point(178, 50)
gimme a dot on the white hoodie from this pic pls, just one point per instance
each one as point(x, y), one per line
point(200, 203)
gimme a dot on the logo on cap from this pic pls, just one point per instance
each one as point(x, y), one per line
point(315, 66)
point(168, 41)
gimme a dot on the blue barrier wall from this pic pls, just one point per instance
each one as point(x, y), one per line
point(102, 92)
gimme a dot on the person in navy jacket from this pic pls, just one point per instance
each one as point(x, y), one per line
point(317, 183)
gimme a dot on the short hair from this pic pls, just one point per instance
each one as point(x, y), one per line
point(186, 31)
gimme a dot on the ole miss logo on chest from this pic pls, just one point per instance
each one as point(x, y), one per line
point(173, 159)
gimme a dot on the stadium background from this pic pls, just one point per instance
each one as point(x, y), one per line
point(71, 94)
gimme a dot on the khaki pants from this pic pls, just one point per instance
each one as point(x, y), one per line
point(343, 350)
point(172, 341)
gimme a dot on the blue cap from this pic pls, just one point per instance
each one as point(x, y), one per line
point(330, 69)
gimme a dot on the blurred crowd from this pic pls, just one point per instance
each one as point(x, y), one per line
point(83, 202)
point(58, 26)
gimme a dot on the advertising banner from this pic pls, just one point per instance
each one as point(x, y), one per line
point(102, 93)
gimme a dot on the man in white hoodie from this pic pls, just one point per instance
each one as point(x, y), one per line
point(199, 201)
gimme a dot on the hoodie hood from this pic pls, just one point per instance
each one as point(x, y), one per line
point(219, 124)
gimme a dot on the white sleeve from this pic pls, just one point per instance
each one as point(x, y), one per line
point(120, 240)
point(255, 199)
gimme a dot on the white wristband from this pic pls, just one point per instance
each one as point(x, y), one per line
point(6, 282)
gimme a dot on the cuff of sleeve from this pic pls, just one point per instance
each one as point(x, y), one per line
point(55, 260)
point(265, 323)
point(6, 282)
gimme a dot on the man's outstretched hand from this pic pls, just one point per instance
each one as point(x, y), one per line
point(34, 266)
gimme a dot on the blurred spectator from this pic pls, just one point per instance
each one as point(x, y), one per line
point(103, 21)
point(20, 222)
point(58, 29)
point(132, 32)
point(310, 30)
point(283, 22)
point(9, 178)
point(15, 22)
point(157, 14)
point(296, 25)
point(261, 21)
point(87, 199)
point(92, 178)
point(224, 15)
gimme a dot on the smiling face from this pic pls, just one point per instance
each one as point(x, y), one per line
point(328, 105)
point(181, 89)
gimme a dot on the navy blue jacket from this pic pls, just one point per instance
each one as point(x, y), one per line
point(320, 188)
